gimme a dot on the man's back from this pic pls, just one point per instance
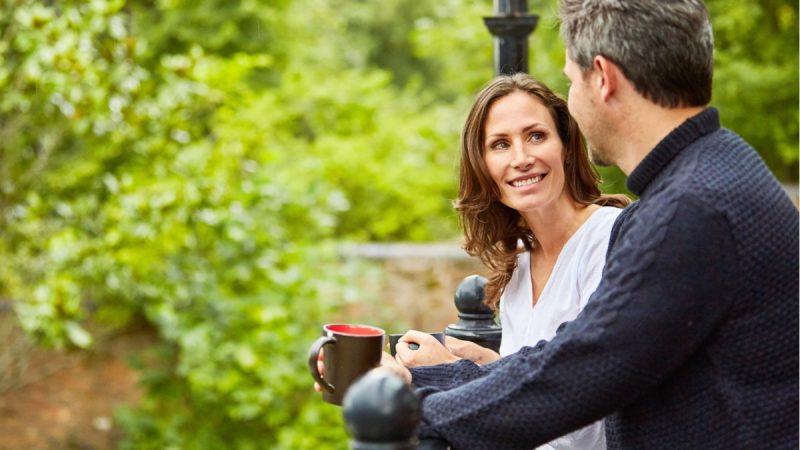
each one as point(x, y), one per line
point(740, 380)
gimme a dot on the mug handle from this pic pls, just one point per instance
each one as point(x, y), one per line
point(313, 355)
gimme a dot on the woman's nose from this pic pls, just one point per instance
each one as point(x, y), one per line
point(522, 158)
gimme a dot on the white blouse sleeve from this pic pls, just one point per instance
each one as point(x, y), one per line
point(594, 258)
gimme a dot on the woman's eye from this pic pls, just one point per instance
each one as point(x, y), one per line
point(537, 136)
point(499, 145)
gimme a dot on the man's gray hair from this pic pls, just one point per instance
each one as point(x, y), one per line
point(664, 47)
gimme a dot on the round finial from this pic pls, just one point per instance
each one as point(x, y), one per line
point(381, 411)
point(476, 321)
point(469, 296)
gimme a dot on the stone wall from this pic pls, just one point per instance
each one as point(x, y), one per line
point(416, 286)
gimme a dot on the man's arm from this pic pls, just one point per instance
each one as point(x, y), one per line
point(666, 287)
point(448, 376)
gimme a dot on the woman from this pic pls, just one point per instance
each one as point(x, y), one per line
point(532, 212)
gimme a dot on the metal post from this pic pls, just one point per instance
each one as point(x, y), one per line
point(476, 321)
point(381, 412)
point(510, 27)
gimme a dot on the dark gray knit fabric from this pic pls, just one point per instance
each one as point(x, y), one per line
point(689, 342)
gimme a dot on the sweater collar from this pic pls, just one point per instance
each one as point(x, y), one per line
point(692, 129)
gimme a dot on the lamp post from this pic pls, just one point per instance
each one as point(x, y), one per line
point(511, 25)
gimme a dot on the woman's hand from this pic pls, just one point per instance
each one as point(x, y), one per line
point(430, 351)
point(387, 364)
point(390, 365)
point(471, 351)
point(320, 368)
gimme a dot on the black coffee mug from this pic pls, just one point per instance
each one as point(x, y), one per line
point(393, 338)
point(350, 351)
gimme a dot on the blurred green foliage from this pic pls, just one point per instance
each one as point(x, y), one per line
point(756, 77)
point(192, 164)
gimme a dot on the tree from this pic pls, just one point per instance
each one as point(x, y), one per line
point(193, 165)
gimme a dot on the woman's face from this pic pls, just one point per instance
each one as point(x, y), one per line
point(523, 152)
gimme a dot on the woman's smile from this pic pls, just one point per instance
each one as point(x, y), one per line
point(527, 180)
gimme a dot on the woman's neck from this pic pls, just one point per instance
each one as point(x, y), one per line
point(554, 225)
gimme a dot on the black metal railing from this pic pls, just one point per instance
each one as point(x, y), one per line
point(476, 321)
point(382, 412)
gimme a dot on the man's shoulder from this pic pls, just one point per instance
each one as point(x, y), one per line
point(726, 173)
point(678, 204)
point(721, 156)
point(716, 171)
point(720, 179)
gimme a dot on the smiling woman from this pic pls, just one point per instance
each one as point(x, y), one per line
point(532, 211)
point(524, 155)
point(517, 131)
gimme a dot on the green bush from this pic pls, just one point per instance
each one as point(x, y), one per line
point(194, 164)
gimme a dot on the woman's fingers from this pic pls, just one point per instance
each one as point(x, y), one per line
point(321, 362)
point(470, 350)
point(429, 352)
point(394, 366)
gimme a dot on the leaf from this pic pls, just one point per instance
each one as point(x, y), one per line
point(77, 335)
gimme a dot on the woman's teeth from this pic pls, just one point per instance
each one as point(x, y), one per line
point(527, 181)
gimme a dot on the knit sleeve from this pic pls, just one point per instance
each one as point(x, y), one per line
point(429, 379)
point(445, 376)
point(668, 283)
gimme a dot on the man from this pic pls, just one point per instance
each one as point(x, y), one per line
point(691, 339)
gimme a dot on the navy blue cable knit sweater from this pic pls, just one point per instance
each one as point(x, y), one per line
point(691, 339)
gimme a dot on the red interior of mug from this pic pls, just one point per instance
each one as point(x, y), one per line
point(354, 330)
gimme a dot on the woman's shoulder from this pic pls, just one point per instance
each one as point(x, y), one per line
point(601, 222)
point(607, 213)
point(595, 232)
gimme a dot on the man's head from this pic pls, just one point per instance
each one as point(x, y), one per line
point(663, 47)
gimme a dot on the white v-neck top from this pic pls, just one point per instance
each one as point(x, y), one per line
point(574, 278)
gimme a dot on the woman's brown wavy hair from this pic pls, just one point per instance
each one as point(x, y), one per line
point(492, 229)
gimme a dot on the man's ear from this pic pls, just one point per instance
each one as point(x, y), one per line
point(608, 76)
